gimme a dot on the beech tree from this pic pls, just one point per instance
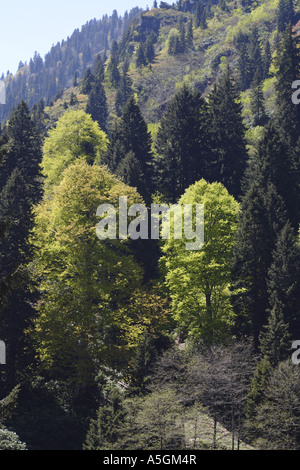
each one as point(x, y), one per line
point(76, 136)
point(198, 281)
point(83, 281)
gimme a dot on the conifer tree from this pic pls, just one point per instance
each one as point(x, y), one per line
point(229, 147)
point(130, 137)
point(97, 104)
point(266, 59)
point(284, 280)
point(262, 217)
point(149, 48)
point(87, 82)
point(285, 14)
point(182, 144)
point(20, 192)
point(140, 56)
point(288, 68)
point(124, 89)
point(274, 163)
point(98, 70)
point(256, 393)
point(112, 70)
point(275, 341)
point(257, 101)
point(189, 39)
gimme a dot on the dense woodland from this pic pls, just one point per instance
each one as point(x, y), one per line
point(143, 344)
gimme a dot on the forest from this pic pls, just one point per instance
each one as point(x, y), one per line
point(138, 343)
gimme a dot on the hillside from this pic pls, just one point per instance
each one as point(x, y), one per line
point(150, 234)
point(198, 66)
point(44, 78)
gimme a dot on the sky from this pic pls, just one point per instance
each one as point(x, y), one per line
point(34, 25)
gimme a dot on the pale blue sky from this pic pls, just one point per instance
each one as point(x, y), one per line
point(34, 25)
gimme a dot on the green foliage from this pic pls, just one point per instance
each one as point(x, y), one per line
point(79, 320)
point(181, 144)
point(76, 136)
point(198, 281)
point(10, 441)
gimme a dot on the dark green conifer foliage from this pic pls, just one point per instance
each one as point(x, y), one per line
point(87, 82)
point(284, 280)
point(262, 217)
point(131, 135)
point(189, 34)
point(257, 101)
point(97, 104)
point(288, 69)
point(285, 14)
point(182, 144)
point(21, 190)
point(266, 60)
point(141, 60)
point(228, 135)
point(257, 389)
point(142, 362)
point(275, 340)
point(149, 48)
point(112, 70)
point(274, 163)
point(98, 70)
point(255, 56)
point(124, 89)
point(104, 431)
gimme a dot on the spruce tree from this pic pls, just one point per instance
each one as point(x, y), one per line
point(229, 147)
point(189, 34)
point(274, 163)
point(288, 69)
point(98, 70)
point(140, 56)
point(182, 144)
point(257, 101)
point(112, 70)
point(267, 60)
point(284, 280)
point(21, 190)
point(87, 82)
point(285, 14)
point(124, 90)
point(130, 137)
point(97, 104)
point(263, 215)
point(275, 341)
